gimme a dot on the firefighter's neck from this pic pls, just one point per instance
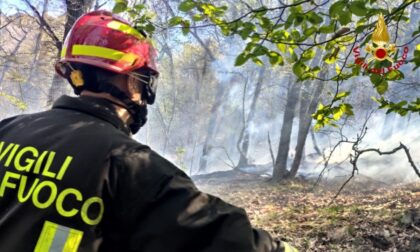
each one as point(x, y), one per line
point(122, 112)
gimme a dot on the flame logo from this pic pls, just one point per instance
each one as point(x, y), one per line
point(380, 49)
point(381, 32)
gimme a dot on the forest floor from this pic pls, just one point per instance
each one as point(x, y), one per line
point(367, 216)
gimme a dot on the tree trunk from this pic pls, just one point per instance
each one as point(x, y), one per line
point(309, 102)
point(306, 121)
point(244, 138)
point(75, 8)
point(211, 129)
point(280, 169)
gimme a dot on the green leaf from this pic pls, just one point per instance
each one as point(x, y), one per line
point(330, 58)
point(344, 18)
point(382, 87)
point(299, 69)
point(308, 54)
point(348, 109)
point(241, 59)
point(318, 126)
point(275, 58)
point(249, 47)
point(265, 23)
point(416, 58)
point(282, 47)
point(185, 27)
point(186, 6)
point(119, 7)
point(337, 113)
point(175, 21)
point(358, 8)
point(247, 30)
point(149, 28)
point(258, 61)
point(394, 75)
point(355, 71)
point(299, 19)
point(293, 56)
point(295, 34)
point(337, 8)
point(327, 28)
point(310, 73)
point(289, 21)
point(185, 30)
point(198, 17)
point(375, 79)
point(259, 50)
point(308, 32)
point(341, 95)
point(139, 7)
point(314, 18)
point(296, 9)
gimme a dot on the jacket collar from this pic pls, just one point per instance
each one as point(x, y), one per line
point(97, 107)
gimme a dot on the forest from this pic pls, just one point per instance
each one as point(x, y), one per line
point(303, 112)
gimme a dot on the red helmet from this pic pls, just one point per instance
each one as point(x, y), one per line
point(105, 40)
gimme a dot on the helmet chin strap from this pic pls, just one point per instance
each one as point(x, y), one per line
point(137, 112)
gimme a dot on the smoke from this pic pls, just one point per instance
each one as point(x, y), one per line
point(383, 134)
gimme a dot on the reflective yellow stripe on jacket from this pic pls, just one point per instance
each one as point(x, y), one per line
point(55, 237)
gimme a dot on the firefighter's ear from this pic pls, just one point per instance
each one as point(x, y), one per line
point(76, 77)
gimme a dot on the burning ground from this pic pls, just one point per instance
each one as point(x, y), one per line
point(367, 216)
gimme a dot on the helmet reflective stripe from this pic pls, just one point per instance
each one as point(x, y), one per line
point(63, 51)
point(115, 25)
point(103, 52)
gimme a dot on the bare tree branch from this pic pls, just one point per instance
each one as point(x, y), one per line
point(354, 157)
point(44, 24)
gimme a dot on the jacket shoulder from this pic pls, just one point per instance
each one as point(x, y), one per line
point(8, 120)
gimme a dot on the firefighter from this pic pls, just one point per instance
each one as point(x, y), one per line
point(73, 179)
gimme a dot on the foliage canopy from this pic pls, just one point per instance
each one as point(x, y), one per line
point(292, 33)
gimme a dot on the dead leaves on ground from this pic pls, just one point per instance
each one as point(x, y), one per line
point(381, 219)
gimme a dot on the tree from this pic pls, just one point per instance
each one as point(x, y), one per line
point(244, 137)
point(280, 168)
point(293, 27)
point(75, 8)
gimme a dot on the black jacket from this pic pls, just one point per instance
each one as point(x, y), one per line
point(73, 178)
